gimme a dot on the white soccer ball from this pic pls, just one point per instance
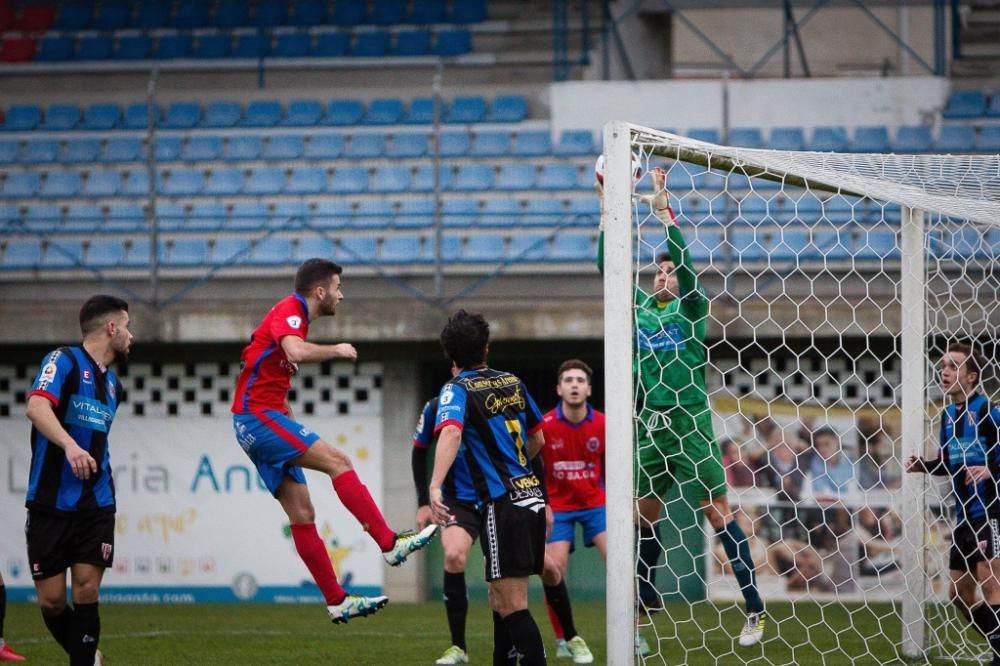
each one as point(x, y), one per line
point(636, 168)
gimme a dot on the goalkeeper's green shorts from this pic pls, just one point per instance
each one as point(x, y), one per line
point(677, 445)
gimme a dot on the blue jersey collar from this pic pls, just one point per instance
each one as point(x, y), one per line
point(559, 414)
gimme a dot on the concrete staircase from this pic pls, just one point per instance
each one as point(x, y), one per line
point(980, 50)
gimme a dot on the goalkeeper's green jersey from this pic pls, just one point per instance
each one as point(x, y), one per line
point(670, 354)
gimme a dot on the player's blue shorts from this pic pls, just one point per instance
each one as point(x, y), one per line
point(593, 522)
point(272, 440)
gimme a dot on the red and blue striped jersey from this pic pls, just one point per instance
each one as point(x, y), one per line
point(265, 372)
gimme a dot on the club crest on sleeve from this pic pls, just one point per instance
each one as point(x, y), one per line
point(111, 389)
point(49, 370)
point(294, 321)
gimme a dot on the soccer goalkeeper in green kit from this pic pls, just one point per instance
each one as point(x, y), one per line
point(675, 442)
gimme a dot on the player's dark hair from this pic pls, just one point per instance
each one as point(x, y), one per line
point(974, 361)
point(825, 431)
point(464, 339)
point(315, 272)
point(663, 256)
point(575, 364)
point(95, 311)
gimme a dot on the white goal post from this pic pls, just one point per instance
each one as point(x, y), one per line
point(835, 281)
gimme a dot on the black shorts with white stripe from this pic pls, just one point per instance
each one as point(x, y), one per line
point(513, 536)
point(973, 541)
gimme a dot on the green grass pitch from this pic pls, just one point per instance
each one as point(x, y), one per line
point(800, 633)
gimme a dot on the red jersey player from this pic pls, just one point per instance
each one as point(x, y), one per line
point(280, 447)
point(574, 479)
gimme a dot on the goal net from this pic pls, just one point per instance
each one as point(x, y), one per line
point(832, 284)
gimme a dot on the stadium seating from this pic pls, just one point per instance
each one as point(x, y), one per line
point(871, 140)
point(965, 104)
point(912, 139)
point(955, 139)
point(827, 139)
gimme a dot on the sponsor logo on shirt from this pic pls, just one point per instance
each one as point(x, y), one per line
point(87, 379)
point(495, 403)
point(88, 413)
point(669, 338)
point(294, 321)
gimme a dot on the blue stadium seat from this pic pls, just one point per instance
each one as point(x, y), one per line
point(473, 177)
point(871, 140)
point(127, 217)
point(532, 144)
point(187, 252)
point(468, 11)
point(993, 109)
point(786, 138)
point(403, 250)
point(466, 110)
point(349, 180)
point(61, 184)
point(271, 13)
point(290, 214)
point(247, 216)
point(250, 44)
point(21, 185)
point(182, 115)
point(324, 147)
point(706, 134)
point(206, 216)
point(423, 179)
point(171, 46)
point(354, 250)
point(390, 179)
point(746, 137)
point(332, 44)
point(284, 147)
point(105, 253)
point(557, 177)
point(459, 212)
point(876, 244)
point(306, 181)
point(264, 182)
point(332, 214)
point(965, 104)
point(21, 117)
point(182, 182)
point(365, 146)
point(54, 49)
point(504, 212)
point(421, 111)
point(137, 116)
point(61, 117)
point(231, 14)
point(271, 251)
point(167, 148)
point(415, 213)
point(370, 44)
point(483, 249)
point(133, 47)
point(93, 47)
point(373, 213)
point(308, 13)
point(303, 113)
point(427, 11)
point(229, 251)
point(516, 177)
point(412, 42)
point(153, 15)
point(41, 151)
point(112, 16)
point(508, 109)
point(73, 16)
point(102, 184)
point(988, 140)
point(313, 246)
point(384, 112)
point(224, 182)
point(528, 247)
point(22, 254)
point(122, 149)
point(344, 112)
point(455, 144)
point(827, 139)
point(101, 117)
point(490, 144)
point(912, 139)
point(262, 113)
point(749, 245)
point(211, 45)
point(222, 114)
point(575, 142)
point(135, 183)
point(452, 42)
point(202, 149)
point(388, 12)
point(572, 247)
point(90, 213)
point(42, 218)
point(191, 14)
point(349, 12)
point(9, 152)
point(544, 212)
point(291, 45)
point(242, 147)
point(585, 211)
point(407, 145)
point(955, 139)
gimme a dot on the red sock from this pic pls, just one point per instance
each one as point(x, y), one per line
point(355, 496)
point(313, 553)
point(554, 619)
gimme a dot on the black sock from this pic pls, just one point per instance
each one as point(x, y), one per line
point(526, 637)
point(504, 653)
point(3, 607)
point(986, 619)
point(645, 568)
point(737, 548)
point(84, 634)
point(58, 626)
point(456, 605)
point(558, 598)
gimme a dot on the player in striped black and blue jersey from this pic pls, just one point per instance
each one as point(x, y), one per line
point(488, 419)
point(969, 453)
point(71, 495)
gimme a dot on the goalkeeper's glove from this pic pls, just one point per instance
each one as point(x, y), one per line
point(659, 201)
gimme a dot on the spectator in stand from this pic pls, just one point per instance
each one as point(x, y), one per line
point(739, 473)
point(831, 472)
point(779, 467)
point(877, 468)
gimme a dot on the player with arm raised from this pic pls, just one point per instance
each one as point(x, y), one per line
point(969, 453)
point(675, 441)
point(280, 447)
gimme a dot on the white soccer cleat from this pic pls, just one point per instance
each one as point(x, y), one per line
point(753, 630)
point(355, 605)
point(408, 542)
point(454, 655)
point(98, 658)
point(641, 646)
point(579, 650)
point(562, 650)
